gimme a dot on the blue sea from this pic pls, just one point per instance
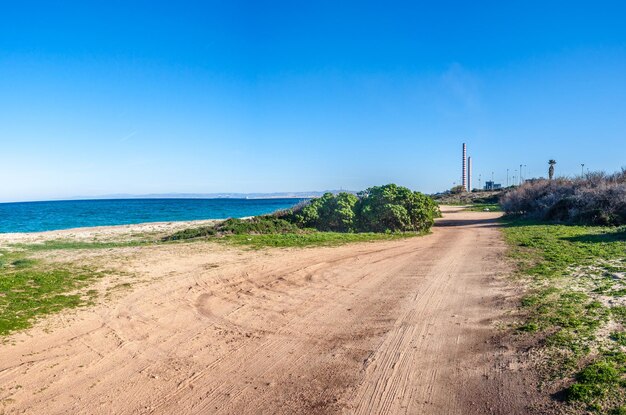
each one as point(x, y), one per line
point(47, 216)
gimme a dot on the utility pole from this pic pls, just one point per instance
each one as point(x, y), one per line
point(582, 169)
point(520, 174)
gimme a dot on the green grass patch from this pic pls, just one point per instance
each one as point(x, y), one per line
point(571, 269)
point(61, 244)
point(593, 382)
point(484, 207)
point(600, 385)
point(310, 239)
point(23, 262)
point(30, 289)
point(619, 314)
point(619, 337)
point(556, 248)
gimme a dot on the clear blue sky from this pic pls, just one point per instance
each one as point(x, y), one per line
point(235, 96)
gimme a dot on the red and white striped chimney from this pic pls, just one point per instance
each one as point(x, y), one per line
point(464, 166)
point(469, 174)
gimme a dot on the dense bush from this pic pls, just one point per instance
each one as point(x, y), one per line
point(394, 208)
point(327, 213)
point(377, 209)
point(597, 199)
point(458, 189)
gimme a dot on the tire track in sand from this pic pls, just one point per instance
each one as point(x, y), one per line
point(395, 327)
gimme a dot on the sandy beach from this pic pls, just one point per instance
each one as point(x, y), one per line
point(102, 233)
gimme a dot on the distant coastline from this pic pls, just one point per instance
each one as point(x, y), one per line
point(302, 195)
point(130, 196)
point(275, 195)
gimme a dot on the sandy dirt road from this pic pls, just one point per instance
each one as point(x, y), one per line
point(398, 327)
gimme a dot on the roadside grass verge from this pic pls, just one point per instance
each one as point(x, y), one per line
point(270, 232)
point(261, 225)
point(30, 288)
point(63, 244)
point(311, 239)
point(577, 307)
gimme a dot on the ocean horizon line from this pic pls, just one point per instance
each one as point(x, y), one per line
point(183, 196)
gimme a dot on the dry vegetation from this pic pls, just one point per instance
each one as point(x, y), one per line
point(596, 199)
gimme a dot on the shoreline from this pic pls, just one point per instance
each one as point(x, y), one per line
point(103, 232)
point(55, 216)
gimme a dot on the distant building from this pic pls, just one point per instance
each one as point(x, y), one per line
point(489, 185)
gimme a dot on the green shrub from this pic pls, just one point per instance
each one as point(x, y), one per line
point(328, 213)
point(191, 233)
point(394, 208)
point(388, 208)
point(258, 225)
point(458, 189)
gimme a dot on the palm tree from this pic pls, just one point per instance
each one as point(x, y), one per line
point(551, 162)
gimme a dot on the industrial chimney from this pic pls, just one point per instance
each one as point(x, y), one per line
point(464, 166)
point(469, 174)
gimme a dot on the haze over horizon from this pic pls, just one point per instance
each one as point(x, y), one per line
point(249, 97)
point(176, 195)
